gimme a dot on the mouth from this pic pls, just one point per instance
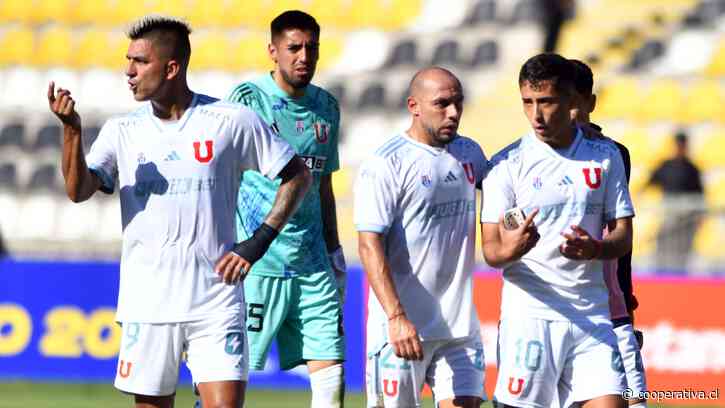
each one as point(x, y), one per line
point(132, 86)
point(302, 71)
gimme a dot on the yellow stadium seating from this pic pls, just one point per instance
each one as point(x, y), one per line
point(663, 102)
point(58, 11)
point(207, 13)
point(20, 11)
point(708, 239)
point(92, 46)
point(97, 12)
point(55, 47)
point(618, 99)
point(646, 150)
point(17, 46)
point(249, 53)
point(211, 51)
point(704, 103)
point(711, 153)
point(716, 67)
point(715, 194)
point(331, 47)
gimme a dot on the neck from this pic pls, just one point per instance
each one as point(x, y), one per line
point(564, 139)
point(173, 106)
point(286, 87)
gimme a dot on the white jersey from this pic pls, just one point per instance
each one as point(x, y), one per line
point(423, 200)
point(583, 185)
point(178, 187)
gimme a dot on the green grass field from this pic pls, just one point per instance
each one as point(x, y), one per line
point(64, 395)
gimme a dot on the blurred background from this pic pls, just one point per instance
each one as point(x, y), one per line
point(659, 74)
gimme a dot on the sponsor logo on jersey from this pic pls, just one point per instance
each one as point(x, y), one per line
point(470, 175)
point(537, 183)
point(516, 390)
point(300, 126)
point(207, 155)
point(173, 156)
point(280, 105)
point(322, 132)
point(314, 163)
point(593, 184)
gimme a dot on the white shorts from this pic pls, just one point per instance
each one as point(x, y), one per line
point(148, 362)
point(452, 368)
point(542, 360)
point(632, 358)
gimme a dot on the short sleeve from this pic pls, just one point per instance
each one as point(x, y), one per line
point(333, 158)
point(617, 201)
point(263, 150)
point(498, 192)
point(102, 159)
point(375, 194)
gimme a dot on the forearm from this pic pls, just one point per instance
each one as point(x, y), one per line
point(296, 180)
point(493, 250)
point(80, 183)
point(619, 240)
point(329, 214)
point(379, 276)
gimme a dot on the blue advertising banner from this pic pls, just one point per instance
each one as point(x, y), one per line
point(57, 323)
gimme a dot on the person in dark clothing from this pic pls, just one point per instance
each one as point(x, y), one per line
point(683, 201)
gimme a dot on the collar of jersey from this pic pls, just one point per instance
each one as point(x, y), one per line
point(430, 149)
point(568, 153)
point(271, 86)
point(176, 125)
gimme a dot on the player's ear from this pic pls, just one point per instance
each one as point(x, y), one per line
point(172, 69)
point(272, 50)
point(413, 106)
point(592, 103)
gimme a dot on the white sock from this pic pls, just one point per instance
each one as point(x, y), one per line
point(328, 389)
point(642, 404)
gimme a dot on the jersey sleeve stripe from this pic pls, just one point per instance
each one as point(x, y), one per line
point(380, 229)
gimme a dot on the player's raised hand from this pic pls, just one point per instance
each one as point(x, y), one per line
point(580, 245)
point(403, 337)
point(63, 106)
point(232, 268)
point(520, 240)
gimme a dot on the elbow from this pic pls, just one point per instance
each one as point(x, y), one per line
point(73, 194)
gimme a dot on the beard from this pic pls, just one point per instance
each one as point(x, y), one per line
point(296, 82)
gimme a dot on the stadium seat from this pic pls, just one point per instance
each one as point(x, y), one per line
point(90, 134)
point(58, 11)
point(525, 11)
point(8, 177)
point(485, 54)
point(663, 102)
point(711, 153)
point(716, 67)
point(704, 103)
point(618, 99)
point(211, 51)
point(48, 137)
point(715, 195)
point(249, 53)
point(405, 52)
point(98, 12)
point(38, 215)
point(646, 150)
point(12, 135)
point(10, 215)
point(55, 47)
point(23, 88)
point(339, 91)
point(483, 11)
point(92, 49)
point(447, 53)
point(708, 239)
point(207, 13)
point(372, 97)
point(648, 52)
point(44, 178)
point(110, 227)
point(17, 46)
point(331, 46)
point(78, 221)
point(19, 11)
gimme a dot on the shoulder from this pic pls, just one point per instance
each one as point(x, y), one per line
point(215, 109)
point(389, 155)
point(325, 98)
point(604, 144)
point(509, 154)
point(248, 93)
point(137, 117)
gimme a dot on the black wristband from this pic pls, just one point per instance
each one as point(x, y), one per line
point(254, 248)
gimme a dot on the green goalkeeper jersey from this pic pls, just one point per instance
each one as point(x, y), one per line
point(311, 125)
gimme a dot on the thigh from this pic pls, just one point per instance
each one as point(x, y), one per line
point(530, 359)
point(216, 349)
point(267, 305)
point(222, 393)
point(631, 358)
point(594, 368)
point(313, 330)
point(457, 370)
point(148, 359)
point(393, 382)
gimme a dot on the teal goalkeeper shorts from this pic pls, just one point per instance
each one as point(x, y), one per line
point(303, 313)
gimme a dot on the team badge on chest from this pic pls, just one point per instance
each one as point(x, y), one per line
point(593, 177)
point(208, 153)
point(322, 132)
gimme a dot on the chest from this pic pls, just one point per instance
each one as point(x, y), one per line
point(309, 131)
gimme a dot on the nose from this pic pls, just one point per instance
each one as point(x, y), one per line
point(454, 111)
point(130, 70)
point(538, 113)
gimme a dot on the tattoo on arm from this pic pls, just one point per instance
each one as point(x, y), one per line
point(296, 180)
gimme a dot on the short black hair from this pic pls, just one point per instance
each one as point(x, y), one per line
point(294, 19)
point(168, 32)
point(548, 67)
point(583, 77)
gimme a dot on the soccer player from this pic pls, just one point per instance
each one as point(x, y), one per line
point(415, 203)
point(555, 336)
point(177, 160)
point(621, 305)
point(292, 292)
